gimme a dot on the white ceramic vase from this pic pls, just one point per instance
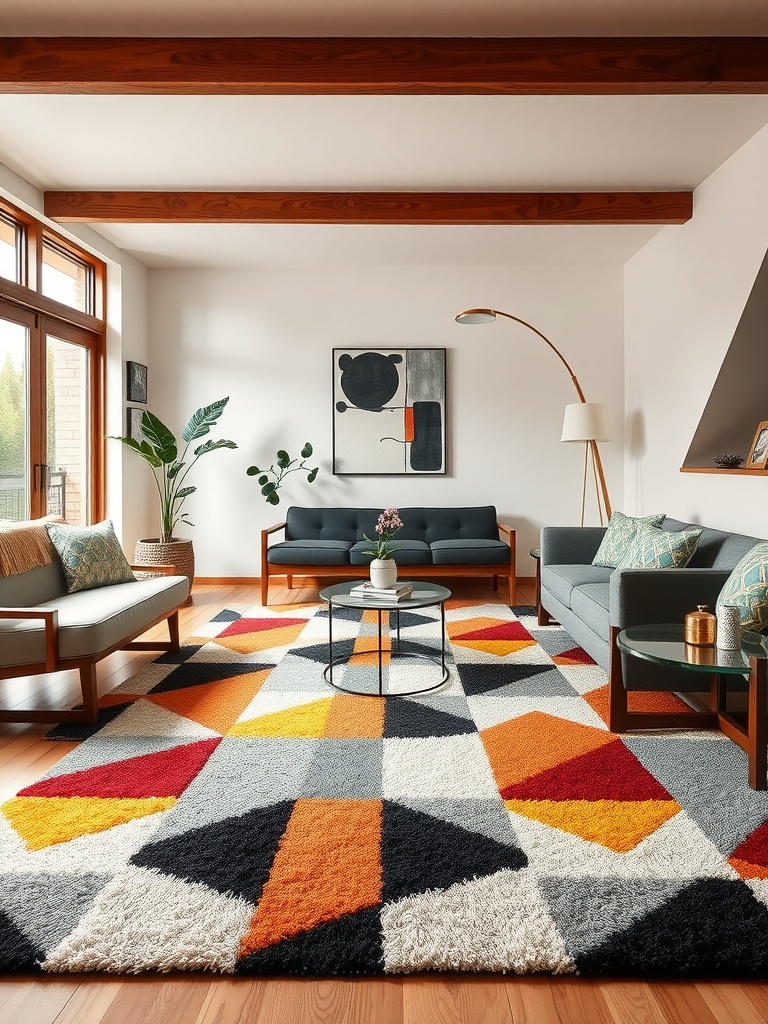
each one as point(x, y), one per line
point(383, 572)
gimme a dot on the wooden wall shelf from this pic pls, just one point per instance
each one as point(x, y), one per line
point(732, 472)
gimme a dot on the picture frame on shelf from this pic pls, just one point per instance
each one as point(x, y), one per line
point(133, 423)
point(758, 453)
point(136, 378)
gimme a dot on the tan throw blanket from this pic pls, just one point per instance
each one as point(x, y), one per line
point(26, 545)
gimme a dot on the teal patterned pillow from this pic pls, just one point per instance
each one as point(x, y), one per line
point(621, 532)
point(91, 556)
point(747, 587)
point(661, 549)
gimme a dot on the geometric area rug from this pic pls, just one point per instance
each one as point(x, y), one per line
point(233, 813)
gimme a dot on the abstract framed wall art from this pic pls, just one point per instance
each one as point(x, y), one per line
point(389, 411)
point(136, 378)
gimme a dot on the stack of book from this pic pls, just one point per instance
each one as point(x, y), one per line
point(395, 593)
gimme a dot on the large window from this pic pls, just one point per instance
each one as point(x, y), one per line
point(51, 374)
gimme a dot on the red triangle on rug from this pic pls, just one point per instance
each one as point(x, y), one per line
point(574, 656)
point(754, 849)
point(256, 625)
point(612, 772)
point(166, 773)
point(504, 631)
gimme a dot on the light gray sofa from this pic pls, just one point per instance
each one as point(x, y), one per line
point(433, 542)
point(593, 603)
point(45, 629)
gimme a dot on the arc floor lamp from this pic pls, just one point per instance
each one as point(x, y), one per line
point(584, 421)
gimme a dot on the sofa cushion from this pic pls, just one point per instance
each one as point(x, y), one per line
point(406, 552)
point(560, 580)
point(653, 548)
point(619, 536)
point(310, 552)
point(470, 551)
point(91, 556)
point(35, 586)
point(590, 603)
point(92, 621)
point(747, 588)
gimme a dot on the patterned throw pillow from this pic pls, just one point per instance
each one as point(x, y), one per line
point(747, 587)
point(622, 531)
point(661, 549)
point(91, 556)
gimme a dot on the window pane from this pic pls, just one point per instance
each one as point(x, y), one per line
point(9, 243)
point(67, 449)
point(66, 279)
point(14, 473)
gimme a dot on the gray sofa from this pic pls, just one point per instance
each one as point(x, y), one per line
point(45, 629)
point(433, 542)
point(593, 603)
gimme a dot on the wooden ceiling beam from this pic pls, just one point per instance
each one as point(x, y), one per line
point(370, 207)
point(379, 66)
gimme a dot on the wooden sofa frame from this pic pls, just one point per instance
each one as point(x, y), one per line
point(357, 571)
point(85, 666)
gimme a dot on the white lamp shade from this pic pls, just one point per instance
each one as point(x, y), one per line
point(585, 421)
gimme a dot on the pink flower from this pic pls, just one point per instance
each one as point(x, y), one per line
point(387, 525)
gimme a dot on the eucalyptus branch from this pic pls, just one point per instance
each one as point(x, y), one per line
point(285, 465)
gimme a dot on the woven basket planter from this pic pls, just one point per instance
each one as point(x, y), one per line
point(179, 553)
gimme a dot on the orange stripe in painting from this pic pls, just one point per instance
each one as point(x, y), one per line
point(408, 423)
point(328, 864)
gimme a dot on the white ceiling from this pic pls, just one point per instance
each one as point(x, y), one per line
point(326, 143)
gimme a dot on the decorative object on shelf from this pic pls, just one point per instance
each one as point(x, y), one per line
point(383, 569)
point(729, 627)
point(285, 465)
point(700, 627)
point(758, 453)
point(160, 450)
point(485, 316)
point(586, 422)
point(136, 378)
point(133, 422)
point(389, 411)
point(728, 461)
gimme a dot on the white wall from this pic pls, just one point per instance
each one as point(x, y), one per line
point(128, 488)
point(265, 339)
point(684, 294)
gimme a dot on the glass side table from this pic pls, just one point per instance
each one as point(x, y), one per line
point(664, 644)
point(423, 595)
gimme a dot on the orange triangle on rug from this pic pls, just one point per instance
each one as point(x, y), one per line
point(619, 825)
point(216, 705)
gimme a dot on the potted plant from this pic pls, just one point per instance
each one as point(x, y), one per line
point(160, 450)
point(383, 569)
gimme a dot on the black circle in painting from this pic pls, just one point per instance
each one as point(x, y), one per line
point(370, 380)
point(341, 407)
point(344, 361)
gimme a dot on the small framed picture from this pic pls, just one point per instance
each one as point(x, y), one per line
point(133, 423)
point(136, 374)
point(758, 453)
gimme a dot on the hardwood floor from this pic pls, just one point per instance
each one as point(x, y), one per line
point(417, 999)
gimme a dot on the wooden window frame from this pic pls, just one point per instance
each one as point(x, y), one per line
point(45, 316)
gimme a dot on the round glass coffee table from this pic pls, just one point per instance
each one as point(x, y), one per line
point(664, 643)
point(423, 595)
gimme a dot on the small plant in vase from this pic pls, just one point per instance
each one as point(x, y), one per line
point(383, 566)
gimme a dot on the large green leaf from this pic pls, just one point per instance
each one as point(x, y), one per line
point(183, 492)
point(307, 450)
point(252, 470)
point(142, 449)
point(201, 421)
point(175, 469)
point(273, 498)
point(283, 459)
point(312, 475)
point(211, 446)
point(159, 437)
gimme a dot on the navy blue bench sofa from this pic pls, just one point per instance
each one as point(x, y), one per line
point(433, 542)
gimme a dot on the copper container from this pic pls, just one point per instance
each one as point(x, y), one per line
point(700, 626)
